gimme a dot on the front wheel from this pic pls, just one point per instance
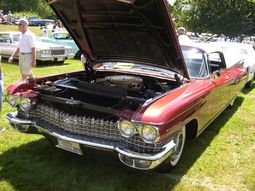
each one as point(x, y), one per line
point(249, 84)
point(174, 158)
point(78, 55)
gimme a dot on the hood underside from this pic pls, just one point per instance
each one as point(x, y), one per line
point(122, 30)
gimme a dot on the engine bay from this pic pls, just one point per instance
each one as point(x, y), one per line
point(105, 95)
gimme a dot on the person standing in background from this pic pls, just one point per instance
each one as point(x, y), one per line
point(182, 37)
point(9, 18)
point(45, 31)
point(221, 38)
point(26, 49)
point(83, 61)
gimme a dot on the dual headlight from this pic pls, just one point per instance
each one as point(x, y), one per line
point(68, 50)
point(45, 51)
point(148, 133)
point(23, 102)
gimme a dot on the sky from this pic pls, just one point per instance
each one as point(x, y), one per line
point(171, 1)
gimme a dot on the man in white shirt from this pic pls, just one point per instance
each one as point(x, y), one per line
point(26, 49)
point(221, 38)
point(182, 37)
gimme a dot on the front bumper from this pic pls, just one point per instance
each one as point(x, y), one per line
point(133, 159)
point(55, 58)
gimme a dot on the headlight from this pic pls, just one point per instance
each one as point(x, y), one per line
point(126, 128)
point(45, 51)
point(25, 103)
point(149, 133)
point(13, 100)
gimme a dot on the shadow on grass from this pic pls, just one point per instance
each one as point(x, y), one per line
point(247, 90)
point(38, 166)
point(40, 64)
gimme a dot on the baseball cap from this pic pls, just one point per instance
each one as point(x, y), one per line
point(23, 22)
point(181, 29)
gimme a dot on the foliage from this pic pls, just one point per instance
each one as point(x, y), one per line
point(233, 18)
point(38, 7)
point(178, 12)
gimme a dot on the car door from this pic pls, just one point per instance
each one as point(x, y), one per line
point(217, 90)
point(237, 78)
point(221, 76)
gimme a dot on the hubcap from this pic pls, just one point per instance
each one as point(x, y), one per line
point(179, 141)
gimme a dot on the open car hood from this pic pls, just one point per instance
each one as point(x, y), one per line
point(122, 30)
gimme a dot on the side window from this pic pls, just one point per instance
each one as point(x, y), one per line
point(216, 61)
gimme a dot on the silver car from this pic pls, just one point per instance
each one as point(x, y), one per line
point(44, 51)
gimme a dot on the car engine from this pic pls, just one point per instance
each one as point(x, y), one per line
point(105, 96)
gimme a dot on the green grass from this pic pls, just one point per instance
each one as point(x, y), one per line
point(222, 158)
point(34, 29)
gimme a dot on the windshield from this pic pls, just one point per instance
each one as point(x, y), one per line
point(16, 37)
point(195, 61)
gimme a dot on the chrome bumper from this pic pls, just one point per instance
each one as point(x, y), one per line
point(130, 158)
point(55, 57)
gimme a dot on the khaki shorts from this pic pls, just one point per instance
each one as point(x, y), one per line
point(25, 66)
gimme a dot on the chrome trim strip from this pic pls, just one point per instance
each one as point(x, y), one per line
point(75, 140)
point(14, 120)
point(168, 147)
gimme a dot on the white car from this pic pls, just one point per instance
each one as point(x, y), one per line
point(234, 51)
point(44, 51)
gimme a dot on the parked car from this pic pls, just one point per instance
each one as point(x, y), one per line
point(33, 17)
point(141, 94)
point(44, 51)
point(40, 22)
point(62, 38)
point(236, 51)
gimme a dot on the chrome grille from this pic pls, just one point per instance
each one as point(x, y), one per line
point(57, 52)
point(98, 129)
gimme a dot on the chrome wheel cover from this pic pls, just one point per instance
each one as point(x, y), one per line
point(179, 141)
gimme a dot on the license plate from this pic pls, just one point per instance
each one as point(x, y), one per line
point(60, 59)
point(69, 146)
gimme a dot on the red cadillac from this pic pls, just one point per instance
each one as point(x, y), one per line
point(141, 94)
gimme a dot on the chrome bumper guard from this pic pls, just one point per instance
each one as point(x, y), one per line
point(133, 159)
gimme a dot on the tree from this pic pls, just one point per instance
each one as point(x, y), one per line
point(179, 11)
point(39, 7)
point(231, 17)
